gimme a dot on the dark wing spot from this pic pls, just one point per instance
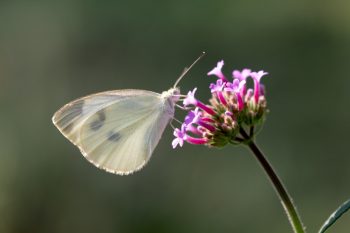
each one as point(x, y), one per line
point(113, 136)
point(98, 123)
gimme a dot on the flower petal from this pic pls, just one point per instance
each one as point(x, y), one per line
point(241, 75)
point(258, 75)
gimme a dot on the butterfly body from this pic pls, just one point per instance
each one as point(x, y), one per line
point(117, 130)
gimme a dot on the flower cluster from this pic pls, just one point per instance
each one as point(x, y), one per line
point(232, 106)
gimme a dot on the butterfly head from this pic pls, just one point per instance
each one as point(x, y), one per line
point(172, 94)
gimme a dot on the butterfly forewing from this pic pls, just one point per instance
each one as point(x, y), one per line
point(116, 130)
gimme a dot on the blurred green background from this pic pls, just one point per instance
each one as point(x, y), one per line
point(52, 52)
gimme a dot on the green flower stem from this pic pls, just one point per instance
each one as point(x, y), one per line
point(286, 200)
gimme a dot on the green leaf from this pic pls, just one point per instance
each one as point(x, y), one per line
point(335, 216)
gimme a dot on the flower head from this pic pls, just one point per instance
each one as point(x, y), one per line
point(233, 106)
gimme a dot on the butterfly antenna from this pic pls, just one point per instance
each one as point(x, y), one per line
point(187, 69)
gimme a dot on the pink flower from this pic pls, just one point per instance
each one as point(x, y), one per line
point(241, 75)
point(217, 71)
point(190, 99)
point(256, 77)
point(180, 136)
point(238, 88)
point(197, 141)
point(218, 86)
point(193, 117)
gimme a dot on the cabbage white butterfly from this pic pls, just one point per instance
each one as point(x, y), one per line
point(118, 130)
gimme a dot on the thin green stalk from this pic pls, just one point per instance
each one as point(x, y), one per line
point(286, 200)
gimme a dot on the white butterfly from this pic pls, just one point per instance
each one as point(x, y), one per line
point(118, 130)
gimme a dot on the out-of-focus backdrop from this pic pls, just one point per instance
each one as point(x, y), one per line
point(52, 52)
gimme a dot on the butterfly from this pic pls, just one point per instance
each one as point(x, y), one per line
point(118, 130)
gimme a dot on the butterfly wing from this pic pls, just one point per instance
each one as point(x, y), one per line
point(116, 130)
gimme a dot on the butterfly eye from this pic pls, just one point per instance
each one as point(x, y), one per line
point(176, 92)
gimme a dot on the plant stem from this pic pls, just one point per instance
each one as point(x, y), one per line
point(286, 200)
